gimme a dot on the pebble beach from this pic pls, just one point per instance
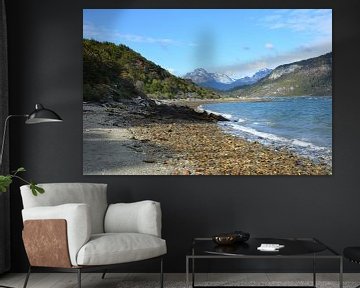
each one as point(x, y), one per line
point(127, 139)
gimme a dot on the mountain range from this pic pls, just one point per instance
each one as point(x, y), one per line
point(307, 77)
point(113, 72)
point(223, 82)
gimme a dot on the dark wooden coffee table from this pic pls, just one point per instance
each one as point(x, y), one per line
point(294, 248)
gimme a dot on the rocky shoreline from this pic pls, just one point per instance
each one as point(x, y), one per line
point(141, 137)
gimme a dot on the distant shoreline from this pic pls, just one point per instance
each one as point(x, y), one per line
point(195, 103)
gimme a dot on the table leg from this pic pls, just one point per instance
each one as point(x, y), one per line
point(314, 271)
point(341, 273)
point(193, 272)
point(187, 272)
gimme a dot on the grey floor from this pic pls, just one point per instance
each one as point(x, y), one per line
point(119, 280)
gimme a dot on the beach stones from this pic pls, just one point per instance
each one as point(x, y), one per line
point(193, 144)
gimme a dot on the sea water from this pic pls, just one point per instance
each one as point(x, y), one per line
point(302, 125)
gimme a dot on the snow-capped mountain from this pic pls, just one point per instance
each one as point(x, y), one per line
point(223, 82)
point(222, 78)
point(261, 73)
point(200, 75)
point(251, 80)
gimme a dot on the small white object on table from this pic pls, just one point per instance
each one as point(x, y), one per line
point(270, 247)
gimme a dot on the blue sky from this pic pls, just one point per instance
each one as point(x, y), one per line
point(237, 42)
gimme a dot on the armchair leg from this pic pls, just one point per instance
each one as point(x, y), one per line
point(103, 275)
point(161, 273)
point(27, 277)
point(79, 277)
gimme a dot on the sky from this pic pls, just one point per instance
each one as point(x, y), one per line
point(236, 42)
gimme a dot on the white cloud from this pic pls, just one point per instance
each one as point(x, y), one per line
point(89, 30)
point(306, 51)
point(317, 21)
point(112, 35)
point(269, 46)
point(146, 39)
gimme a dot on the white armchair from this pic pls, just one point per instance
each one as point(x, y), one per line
point(72, 228)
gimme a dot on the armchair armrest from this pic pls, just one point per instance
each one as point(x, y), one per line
point(77, 217)
point(138, 217)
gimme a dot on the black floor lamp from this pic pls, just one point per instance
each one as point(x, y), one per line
point(39, 115)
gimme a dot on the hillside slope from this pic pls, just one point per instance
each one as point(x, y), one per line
point(116, 72)
point(307, 77)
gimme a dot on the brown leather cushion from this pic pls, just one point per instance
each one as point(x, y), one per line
point(46, 243)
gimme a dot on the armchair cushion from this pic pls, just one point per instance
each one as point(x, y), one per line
point(138, 217)
point(78, 221)
point(113, 248)
point(92, 194)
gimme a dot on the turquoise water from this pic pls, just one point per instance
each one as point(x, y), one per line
point(302, 125)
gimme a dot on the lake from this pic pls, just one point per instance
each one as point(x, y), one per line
point(302, 125)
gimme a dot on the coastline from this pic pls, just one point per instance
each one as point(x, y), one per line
point(119, 140)
point(318, 153)
point(195, 103)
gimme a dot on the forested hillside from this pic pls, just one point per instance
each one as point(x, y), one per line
point(117, 72)
point(307, 77)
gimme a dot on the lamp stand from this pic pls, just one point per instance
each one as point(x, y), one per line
point(4, 136)
point(2, 152)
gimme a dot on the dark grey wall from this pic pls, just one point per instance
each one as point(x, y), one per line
point(45, 66)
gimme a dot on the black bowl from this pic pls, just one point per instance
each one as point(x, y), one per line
point(231, 238)
point(225, 239)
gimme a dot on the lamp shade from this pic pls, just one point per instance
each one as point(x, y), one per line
point(42, 115)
